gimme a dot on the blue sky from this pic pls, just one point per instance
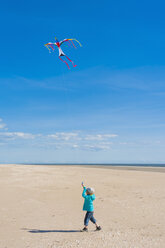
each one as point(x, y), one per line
point(109, 109)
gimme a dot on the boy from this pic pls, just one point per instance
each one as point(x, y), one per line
point(89, 197)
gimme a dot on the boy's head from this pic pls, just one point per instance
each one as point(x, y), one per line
point(90, 191)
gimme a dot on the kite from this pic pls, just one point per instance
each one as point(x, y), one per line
point(57, 44)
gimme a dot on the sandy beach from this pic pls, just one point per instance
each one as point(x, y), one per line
point(41, 207)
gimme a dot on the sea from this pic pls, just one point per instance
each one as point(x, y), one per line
point(101, 164)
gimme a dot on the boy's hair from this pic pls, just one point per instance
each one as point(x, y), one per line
point(90, 191)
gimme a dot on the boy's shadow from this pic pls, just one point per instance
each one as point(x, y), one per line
point(48, 231)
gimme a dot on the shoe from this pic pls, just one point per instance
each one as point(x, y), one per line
point(98, 228)
point(84, 229)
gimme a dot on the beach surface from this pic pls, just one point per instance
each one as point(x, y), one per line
point(41, 207)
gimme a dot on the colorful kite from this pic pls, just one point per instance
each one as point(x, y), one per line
point(58, 44)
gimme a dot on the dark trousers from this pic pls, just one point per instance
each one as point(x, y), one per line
point(89, 217)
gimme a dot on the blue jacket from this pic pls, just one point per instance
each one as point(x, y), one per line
point(88, 201)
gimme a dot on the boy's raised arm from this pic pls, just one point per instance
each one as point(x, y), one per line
point(84, 192)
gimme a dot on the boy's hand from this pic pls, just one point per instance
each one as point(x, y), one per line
point(82, 184)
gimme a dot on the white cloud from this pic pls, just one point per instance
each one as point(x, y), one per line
point(82, 140)
point(24, 135)
point(75, 146)
point(63, 136)
point(100, 136)
point(60, 140)
point(2, 125)
point(14, 135)
point(96, 147)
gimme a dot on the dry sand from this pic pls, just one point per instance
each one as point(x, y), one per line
point(41, 207)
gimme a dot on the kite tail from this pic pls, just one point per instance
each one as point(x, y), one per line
point(69, 43)
point(77, 42)
point(51, 47)
point(73, 44)
point(71, 61)
point(48, 48)
point(64, 62)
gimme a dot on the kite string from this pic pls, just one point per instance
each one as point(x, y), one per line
point(65, 90)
